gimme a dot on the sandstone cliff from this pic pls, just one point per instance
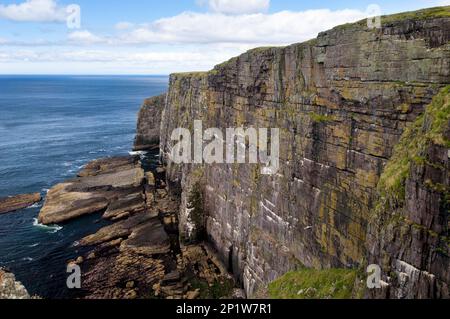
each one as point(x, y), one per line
point(342, 102)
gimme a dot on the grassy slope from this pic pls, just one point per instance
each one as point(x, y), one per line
point(427, 129)
point(315, 284)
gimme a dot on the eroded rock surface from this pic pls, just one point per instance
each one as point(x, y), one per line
point(14, 203)
point(109, 185)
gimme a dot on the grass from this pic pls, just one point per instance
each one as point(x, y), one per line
point(320, 118)
point(412, 147)
point(315, 284)
point(429, 13)
point(190, 74)
point(424, 14)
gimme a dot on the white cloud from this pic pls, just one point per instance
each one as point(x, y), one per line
point(238, 6)
point(185, 42)
point(85, 37)
point(270, 29)
point(34, 11)
point(90, 61)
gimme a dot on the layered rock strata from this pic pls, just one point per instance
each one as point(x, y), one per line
point(342, 102)
point(112, 186)
point(14, 203)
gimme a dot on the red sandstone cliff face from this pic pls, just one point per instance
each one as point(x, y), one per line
point(342, 102)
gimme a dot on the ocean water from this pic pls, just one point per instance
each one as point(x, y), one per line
point(50, 126)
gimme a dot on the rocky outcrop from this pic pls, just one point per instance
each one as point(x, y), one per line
point(342, 102)
point(107, 185)
point(14, 203)
point(137, 255)
point(10, 288)
point(140, 257)
point(149, 120)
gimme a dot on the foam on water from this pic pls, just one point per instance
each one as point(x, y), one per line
point(50, 228)
point(140, 153)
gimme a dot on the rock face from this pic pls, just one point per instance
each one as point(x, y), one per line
point(408, 232)
point(13, 203)
point(342, 102)
point(149, 120)
point(10, 288)
point(108, 185)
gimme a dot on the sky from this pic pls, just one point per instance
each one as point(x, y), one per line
point(161, 37)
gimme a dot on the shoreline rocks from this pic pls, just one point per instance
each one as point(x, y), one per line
point(10, 288)
point(107, 185)
point(138, 255)
point(15, 203)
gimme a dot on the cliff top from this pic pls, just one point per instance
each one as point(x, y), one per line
point(419, 15)
point(423, 14)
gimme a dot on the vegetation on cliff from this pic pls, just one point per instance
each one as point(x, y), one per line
point(428, 128)
point(424, 14)
point(316, 284)
point(197, 215)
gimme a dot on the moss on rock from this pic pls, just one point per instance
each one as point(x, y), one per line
point(316, 284)
point(428, 128)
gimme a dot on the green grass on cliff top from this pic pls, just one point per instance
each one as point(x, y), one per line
point(315, 284)
point(429, 13)
point(436, 12)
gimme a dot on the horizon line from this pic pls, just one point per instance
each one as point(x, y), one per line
point(80, 74)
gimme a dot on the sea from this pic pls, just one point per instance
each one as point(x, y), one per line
point(50, 126)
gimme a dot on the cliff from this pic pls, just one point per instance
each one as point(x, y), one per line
point(149, 119)
point(364, 172)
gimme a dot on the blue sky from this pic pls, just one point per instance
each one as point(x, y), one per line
point(160, 37)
